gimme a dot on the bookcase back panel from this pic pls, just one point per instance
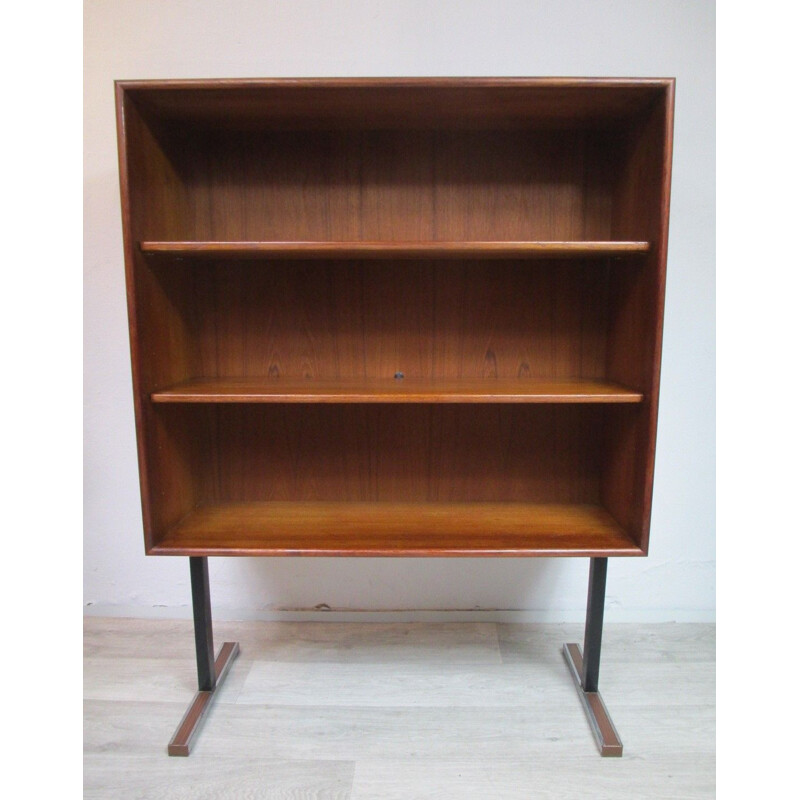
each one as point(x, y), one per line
point(396, 185)
point(419, 453)
point(326, 319)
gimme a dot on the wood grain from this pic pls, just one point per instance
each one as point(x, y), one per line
point(154, 200)
point(446, 453)
point(297, 642)
point(420, 685)
point(393, 250)
point(547, 776)
point(392, 390)
point(395, 185)
point(345, 320)
point(156, 778)
point(395, 102)
point(636, 313)
point(676, 645)
point(389, 529)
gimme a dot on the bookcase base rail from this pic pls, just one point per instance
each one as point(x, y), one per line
point(605, 734)
point(186, 733)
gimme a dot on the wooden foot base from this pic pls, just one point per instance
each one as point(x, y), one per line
point(187, 731)
point(603, 728)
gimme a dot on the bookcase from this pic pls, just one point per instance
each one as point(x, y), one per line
point(396, 317)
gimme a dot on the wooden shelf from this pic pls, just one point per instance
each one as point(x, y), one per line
point(389, 249)
point(397, 529)
point(390, 390)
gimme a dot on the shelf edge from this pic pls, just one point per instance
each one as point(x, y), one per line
point(395, 249)
point(209, 391)
point(174, 550)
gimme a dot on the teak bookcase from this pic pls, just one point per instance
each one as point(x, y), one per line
point(403, 317)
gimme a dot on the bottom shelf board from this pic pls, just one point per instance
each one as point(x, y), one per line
point(396, 529)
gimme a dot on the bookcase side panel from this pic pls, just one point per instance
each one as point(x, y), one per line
point(636, 315)
point(163, 345)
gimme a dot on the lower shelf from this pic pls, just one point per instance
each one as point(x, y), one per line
point(397, 529)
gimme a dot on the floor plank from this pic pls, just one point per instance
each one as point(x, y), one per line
point(165, 679)
point(125, 778)
point(544, 778)
point(368, 643)
point(665, 643)
point(458, 685)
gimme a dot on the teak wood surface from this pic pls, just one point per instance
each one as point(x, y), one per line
point(501, 243)
point(388, 529)
point(393, 390)
point(394, 250)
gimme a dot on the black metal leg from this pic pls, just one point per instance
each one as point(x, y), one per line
point(203, 633)
point(593, 634)
point(210, 673)
point(585, 667)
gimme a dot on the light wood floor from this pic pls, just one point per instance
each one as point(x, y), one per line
point(453, 711)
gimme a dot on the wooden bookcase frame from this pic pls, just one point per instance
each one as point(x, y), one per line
point(396, 317)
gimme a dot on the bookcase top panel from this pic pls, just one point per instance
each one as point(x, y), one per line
point(397, 102)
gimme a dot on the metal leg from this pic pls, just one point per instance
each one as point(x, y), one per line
point(585, 667)
point(203, 633)
point(593, 634)
point(210, 672)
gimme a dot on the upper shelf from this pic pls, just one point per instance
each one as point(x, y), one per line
point(396, 249)
point(388, 390)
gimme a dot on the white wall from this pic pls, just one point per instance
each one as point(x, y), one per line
point(256, 38)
